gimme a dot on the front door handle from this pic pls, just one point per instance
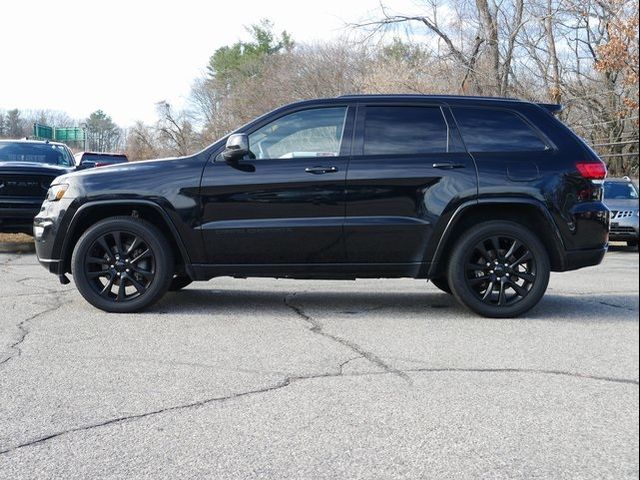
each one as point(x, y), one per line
point(448, 165)
point(320, 170)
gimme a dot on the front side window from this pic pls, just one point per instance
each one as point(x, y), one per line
point(397, 130)
point(308, 133)
point(493, 130)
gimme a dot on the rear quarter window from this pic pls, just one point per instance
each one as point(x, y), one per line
point(494, 130)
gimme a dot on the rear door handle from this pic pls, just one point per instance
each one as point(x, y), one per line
point(448, 165)
point(320, 170)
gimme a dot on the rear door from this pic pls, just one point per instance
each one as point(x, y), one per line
point(408, 168)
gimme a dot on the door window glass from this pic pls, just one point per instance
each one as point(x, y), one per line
point(308, 133)
point(404, 130)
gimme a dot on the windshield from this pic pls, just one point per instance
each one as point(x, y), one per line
point(46, 153)
point(620, 191)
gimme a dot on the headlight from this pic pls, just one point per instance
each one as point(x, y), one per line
point(56, 192)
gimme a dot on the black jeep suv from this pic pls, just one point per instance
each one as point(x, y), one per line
point(483, 196)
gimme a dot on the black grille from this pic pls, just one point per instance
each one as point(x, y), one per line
point(24, 185)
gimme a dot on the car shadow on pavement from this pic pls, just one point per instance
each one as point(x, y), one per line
point(583, 308)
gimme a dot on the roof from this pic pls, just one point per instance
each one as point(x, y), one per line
point(30, 140)
point(113, 154)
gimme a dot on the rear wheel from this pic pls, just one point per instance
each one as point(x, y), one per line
point(122, 264)
point(499, 269)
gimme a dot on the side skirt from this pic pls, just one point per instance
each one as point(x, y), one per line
point(314, 271)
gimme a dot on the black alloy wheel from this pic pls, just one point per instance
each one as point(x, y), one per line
point(500, 269)
point(122, 264)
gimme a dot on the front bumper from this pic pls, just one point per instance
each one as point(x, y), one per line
point(16, 214)
point(46, 226)
point(624, 229)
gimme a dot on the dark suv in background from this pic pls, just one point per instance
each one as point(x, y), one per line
point(27, 168)
point(100, 159)
point(483, 196)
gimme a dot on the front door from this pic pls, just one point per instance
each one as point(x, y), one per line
point(284, 203)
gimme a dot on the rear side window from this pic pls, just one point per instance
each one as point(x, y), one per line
point(493, 130)
point(404, 130)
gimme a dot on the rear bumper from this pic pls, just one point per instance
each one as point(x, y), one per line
point(575, 259)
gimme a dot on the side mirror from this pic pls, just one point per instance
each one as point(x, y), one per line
point(236, 148)
point(86, 164)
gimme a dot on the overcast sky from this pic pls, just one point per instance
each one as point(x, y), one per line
point(123, 56)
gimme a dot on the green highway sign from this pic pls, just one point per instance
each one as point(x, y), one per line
point(43, 131)
point(66, 134)
point(72, 134)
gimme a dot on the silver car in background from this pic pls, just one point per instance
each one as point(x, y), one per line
point(621, 197)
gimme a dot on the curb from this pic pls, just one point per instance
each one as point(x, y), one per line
point(17, 247)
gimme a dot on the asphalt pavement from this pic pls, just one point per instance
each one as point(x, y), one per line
point(286, 379)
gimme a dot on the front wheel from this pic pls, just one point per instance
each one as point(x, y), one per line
point(122, 264)
point(499, 269)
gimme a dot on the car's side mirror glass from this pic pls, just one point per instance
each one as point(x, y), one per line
point(237, 147)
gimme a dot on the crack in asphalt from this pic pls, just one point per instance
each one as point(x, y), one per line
point(562, 373)
point(114, 421)
point(23, 330)
point(290, 380)
point(317, 328)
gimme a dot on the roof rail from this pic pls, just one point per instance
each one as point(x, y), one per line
point(426, 95)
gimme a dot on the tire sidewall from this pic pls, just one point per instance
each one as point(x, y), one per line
point(463, 292)
point(154, 239)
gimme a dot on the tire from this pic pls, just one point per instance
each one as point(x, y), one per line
point(442, 284)
point(122, 264)
point(488, 288)
point(179, 282)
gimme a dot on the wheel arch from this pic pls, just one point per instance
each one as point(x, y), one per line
point(525, 211)
point(90, 213)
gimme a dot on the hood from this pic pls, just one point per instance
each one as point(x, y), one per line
point(121, 171)
point(618, 204)
point(34, 168)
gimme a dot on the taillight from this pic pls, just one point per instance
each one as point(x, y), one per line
point(592, 170)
